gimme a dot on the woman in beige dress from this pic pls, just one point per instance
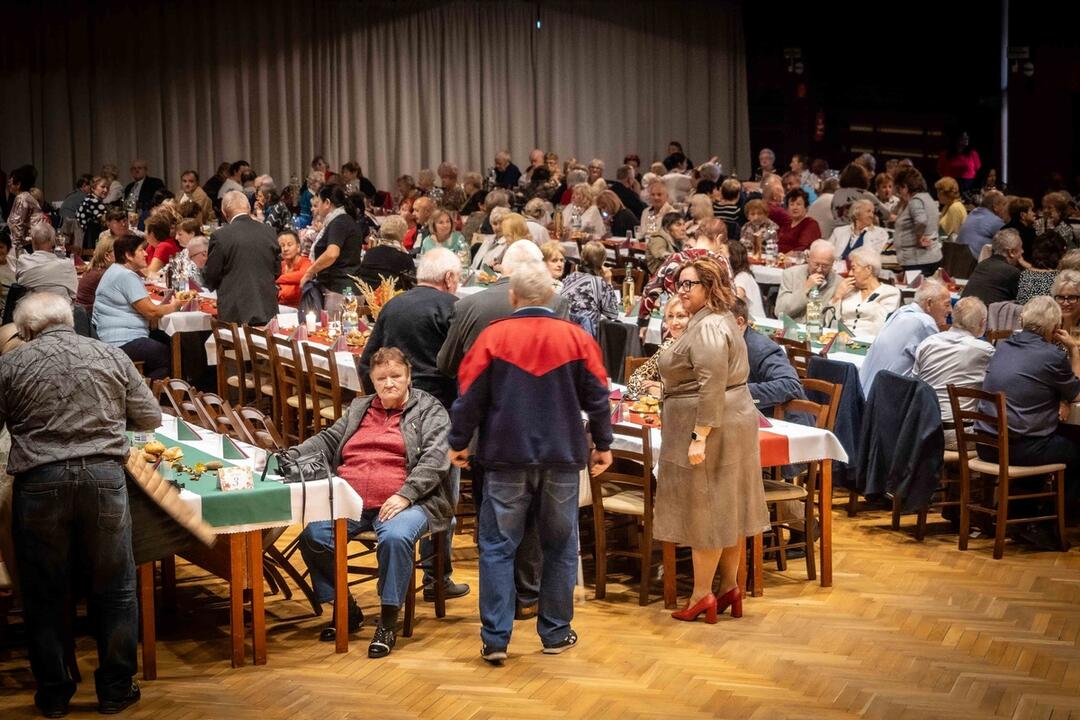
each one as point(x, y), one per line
point(709, 493)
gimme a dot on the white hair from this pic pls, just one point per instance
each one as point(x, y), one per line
point(597, 163)
point(502, 155)
point(970, 314)
point(435, 263)
point(930, 289)
point(235, 203)
point(1041, 315)
point(42, 236)
point(498, 214)
point(767, 151)
point(867, 257)
point(576, 177)
point(859, 203)
point(1066, 279)
point(426, 174)
point(199, 242)
point(519, 254)
point(820, 246)
point(1005, 240)
point(700, 206)
point(531, 281)
point(37, 312)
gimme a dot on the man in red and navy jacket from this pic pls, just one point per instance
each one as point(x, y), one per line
point(524, 384)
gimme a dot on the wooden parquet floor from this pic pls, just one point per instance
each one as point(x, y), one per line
point(910, 631)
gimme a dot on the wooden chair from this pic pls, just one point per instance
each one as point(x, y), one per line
point(258, 429)
point(218, 415)
point(994, 500)
point(800, 360)
point(791, 343)
point(324, 387)
point(627, 489)
point(290, 388)
point(262, 369)
point(184, 400)
point(231, 369)
point(947, 489)
point(369, 573)
point(630, 366)
point(993, 336)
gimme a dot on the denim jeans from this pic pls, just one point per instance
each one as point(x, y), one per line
point(71, 521)
point(395, 552)
point(510, 496)
point(527, 562)
point(427, 545)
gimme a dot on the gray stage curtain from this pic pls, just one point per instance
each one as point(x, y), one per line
point(394, 85)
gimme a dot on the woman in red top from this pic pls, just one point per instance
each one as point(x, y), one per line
point(391, 448)
point(159, 236)
point(960, 161)
point(293, 266)
point(797, 233)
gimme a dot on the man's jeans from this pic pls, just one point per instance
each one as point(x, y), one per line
point(510, 497)
point(527, 564)
point(71, 523)
point(395, 552)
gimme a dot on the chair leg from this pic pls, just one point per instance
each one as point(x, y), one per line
point(853, 503)
point(965, 512)
point(810, 527)
point(645, 547)
point(781, 548)
point(668, 551)
point(756, 565)
point(282, 561)
point(920, 526)
point(410, 601)
point(1059, 483)
point(440, 570)
point(1002, 517)
point(896, 512)
point(601, 552)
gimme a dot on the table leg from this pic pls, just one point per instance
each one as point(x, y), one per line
point(168, 582)
point(174, 344)
point(147, 617)
point(255, 582)
point(341, 587)
point(826, 523)
point(236, 597)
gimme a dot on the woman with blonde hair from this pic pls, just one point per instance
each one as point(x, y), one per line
point(700, 209)
point(511, 228)
point(116, 188)
point(441, 233)
point(103, 258)
point(708, 492)
point(953, 212)
point(581, 214)
point(555, 261)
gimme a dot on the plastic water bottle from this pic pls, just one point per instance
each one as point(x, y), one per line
point(813, 313)
point(350, 320)
point(575, 218)
point(772, 247)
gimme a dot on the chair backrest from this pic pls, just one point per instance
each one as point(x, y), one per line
point(799, 359)
point(289, 379)
point(262, 367)
point(184, 401)
point(218, 415)
point(967, 437)
point(829, 390)
point(791, 342)
point(323, 383)
point(259, 429)
point(957, 259)
point(630, 366)
point(230, 358)
point(630, 467)
point(819, 411)
point(994, 335)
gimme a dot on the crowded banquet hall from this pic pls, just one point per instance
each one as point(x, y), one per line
point(727, 352)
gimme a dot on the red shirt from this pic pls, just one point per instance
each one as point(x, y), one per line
point(165, 250)
point(798, 237)
point(373, 459)
point(961, 166)
point(289, 281)
point(778, 214)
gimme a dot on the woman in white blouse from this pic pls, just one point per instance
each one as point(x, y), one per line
point(863, 302)
point(860, 232)
point(746, 286)
point(582, 204)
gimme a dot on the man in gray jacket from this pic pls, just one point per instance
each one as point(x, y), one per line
point(471, 316)
point(67, 401)
point(243, 265)
point(797, 282)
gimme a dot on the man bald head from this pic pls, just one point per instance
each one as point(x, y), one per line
point(234, 203)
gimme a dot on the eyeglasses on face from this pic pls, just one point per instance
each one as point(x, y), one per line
point(687, 285)
point(1066, 298)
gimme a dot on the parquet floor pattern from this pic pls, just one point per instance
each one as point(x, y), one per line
point(909, 631)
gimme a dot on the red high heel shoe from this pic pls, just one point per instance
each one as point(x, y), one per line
point(732, 598)
point(705, 605)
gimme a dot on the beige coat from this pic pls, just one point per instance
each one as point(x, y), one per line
point(720, 501)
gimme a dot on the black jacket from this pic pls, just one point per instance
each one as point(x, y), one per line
point(848, 418)
point(629, 198)
point(993, 280)
point(146, 193)
point(903, 441)
point(243, 264)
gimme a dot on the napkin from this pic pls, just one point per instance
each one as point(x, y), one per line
point(300, 334)
point(324, 319)
point(340, 345)
point(191, 305)
point(762, 421)
point(272, 326)
point(616, 394)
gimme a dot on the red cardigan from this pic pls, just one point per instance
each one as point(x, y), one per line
point(798, 237)
point(289, 282)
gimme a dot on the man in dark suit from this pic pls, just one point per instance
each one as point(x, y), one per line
point(243, 264)
point(142, 186)
point(623, 187)
point(472, 314)
point(997, 278)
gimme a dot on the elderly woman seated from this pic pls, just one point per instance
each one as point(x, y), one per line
point(1039, 379)
point(646, 379)
point(389, 259)
point(581, 214)
point(391, 448)
point(859, 232)
point(1066, 293)
point(862, 302)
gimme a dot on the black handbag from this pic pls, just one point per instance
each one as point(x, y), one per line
point(296, 468)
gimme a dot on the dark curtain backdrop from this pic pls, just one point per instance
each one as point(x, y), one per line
point(396, 86)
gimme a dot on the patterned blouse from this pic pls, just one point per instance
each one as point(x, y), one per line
point(21, 217)
point(649, 372)
point(1034, 283)
point(278, 216)
point(92, 210)
point(1062, 228)
point(591, 298)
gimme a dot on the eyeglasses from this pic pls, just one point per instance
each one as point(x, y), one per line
point(1066, 298)
point(687, 285)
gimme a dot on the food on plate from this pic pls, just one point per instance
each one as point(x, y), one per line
point(214, 465)
point(486, 278)
point(186, 295)
point(642, 406)
point(173, 453)
point(356, 338)
point(154, 447)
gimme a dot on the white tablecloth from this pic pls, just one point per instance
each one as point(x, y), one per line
point(652, 335)
point(348, 375)
point(347, 504)
point(181, 322)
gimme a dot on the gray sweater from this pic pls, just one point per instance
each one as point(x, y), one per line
point(919, 218)
point(424, 427)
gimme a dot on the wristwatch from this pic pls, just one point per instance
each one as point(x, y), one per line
point(694, 437)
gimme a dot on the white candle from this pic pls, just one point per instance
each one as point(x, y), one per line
point(310, 322)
